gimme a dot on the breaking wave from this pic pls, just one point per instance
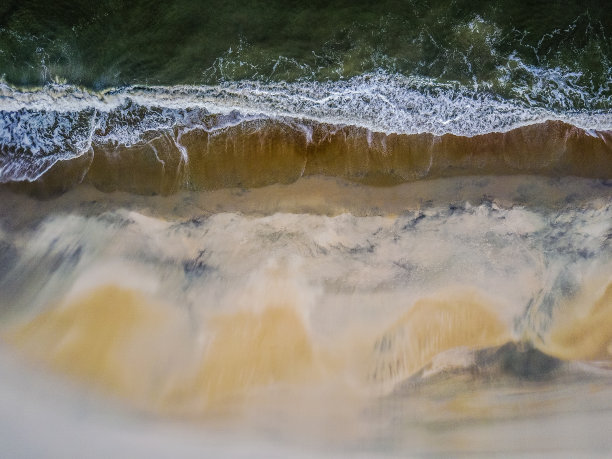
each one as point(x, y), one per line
point(405, 125)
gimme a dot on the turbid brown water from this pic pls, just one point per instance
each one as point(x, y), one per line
point(323, 313)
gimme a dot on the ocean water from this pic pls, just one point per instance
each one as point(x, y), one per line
point(281, 229)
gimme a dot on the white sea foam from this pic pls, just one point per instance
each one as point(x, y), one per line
point(379, 101)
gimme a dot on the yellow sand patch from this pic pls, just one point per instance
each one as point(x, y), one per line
point(250, 349)
point(587, 337)
point(102, 337)
point(433, 325)
point(118, 339)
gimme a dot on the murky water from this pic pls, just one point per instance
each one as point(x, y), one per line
point(321, 317)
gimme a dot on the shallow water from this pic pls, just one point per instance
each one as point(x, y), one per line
point(304, 229)
point(320, 317)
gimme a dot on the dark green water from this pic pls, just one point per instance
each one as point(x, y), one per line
point(506, 47)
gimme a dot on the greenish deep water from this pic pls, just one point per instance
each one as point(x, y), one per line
point(496, 45)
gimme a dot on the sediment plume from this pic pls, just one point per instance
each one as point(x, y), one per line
point(262, 152)
point(121, 341)
point(585, 332)
point(432, 326)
